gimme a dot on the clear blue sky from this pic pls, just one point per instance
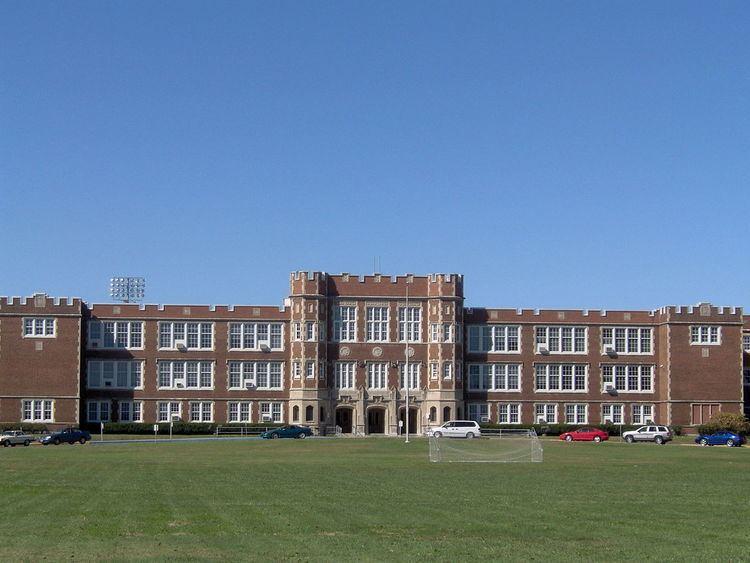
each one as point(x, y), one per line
point(558, 154)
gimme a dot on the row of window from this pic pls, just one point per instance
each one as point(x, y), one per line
point(166, 411)
point(571, 413)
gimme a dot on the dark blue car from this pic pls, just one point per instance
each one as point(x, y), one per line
point(68, 435)
point(292, 431)
point(724, 438)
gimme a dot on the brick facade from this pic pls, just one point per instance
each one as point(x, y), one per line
point(335, 355)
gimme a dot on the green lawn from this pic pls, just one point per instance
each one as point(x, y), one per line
point(373, 499)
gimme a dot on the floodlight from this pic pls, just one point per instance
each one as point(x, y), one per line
point(127, 289)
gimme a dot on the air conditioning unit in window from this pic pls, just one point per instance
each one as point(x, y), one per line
point(543, 350)
point(611, 390)
point(264, 347)
point(541, 420)
point(181, 345)
point(610, 350)
point(267, 418)
point(249, 385)
point(179, 384)
point(485, 419)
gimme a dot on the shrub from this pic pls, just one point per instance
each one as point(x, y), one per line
point(734, 422)
point(184, 428)
point(32, 427)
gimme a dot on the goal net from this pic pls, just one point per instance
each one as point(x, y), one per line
point(502, 446)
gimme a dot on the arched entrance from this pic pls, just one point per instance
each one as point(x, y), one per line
point(344, 416)
point(376, 420)
point(413, 416)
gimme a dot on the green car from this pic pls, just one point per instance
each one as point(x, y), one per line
point(292, 431)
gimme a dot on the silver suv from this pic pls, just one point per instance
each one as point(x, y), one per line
point(456, 429)
point(650, 433)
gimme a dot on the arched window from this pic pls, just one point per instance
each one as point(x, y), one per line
point(295, 413)
point(446, 414)
point(309, 413)
point(322, 415)
point(433, 414)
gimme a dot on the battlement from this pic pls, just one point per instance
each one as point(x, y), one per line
point(702, 312)
point(187, 312)
point(41, 304)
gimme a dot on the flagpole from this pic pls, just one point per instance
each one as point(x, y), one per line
point(406, 370)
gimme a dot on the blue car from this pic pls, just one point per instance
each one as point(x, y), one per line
point(292, 431)
point(68, 436)
point(724, 438)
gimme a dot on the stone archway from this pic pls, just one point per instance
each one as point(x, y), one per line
point(376, 420)
point(413, 420)
point(344, 419)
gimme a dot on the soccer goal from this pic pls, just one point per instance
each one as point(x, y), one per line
point(502, 446)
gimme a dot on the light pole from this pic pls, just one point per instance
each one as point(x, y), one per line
point(127, 289)
point(406, 366)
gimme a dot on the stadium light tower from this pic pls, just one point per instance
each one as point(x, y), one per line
point(127, 289)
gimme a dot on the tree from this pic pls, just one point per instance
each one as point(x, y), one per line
point(732, 421)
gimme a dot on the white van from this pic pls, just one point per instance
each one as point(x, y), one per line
point(456, 429)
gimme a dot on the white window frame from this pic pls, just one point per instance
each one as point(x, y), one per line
point(100, 338)
point(40, 327)
point(480, 414)
point(447, 370)
point(257, 375)
point(131, 411)
point(410, 323)
point(173, 408)
point(346, 375)
point(101, 406)
point(204, 411)
point(613, 374)
point(182, 332)
point(274, 408)
point(297, 331)
point(705, 335)
point(96, 370)
point(554, 378)
point(377, 375)
point(345, 323)
point(576, 413)
point(494, 339)
point(241, 408)
point(177, 371)
point(311, 331)
point(551, 337)
point(640, 417)
point(621, 339)
point(378, 323)
point(613, 409)
point(548, 413)
point(309, 369)
point(506, 414)
point(258, 334)
point(448, 332)
point(414, 375)
point(494, 377)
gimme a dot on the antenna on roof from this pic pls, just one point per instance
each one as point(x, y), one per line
point(127, 289)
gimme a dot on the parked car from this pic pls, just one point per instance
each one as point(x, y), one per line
point(292, 431)
point(457, 429)
point(650, 433)
point(15, 437)
point(720, 439)
point(69, 435)
point(585, 434)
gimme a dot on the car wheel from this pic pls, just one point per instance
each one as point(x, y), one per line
point(703, 442)
point(437, 434)
point(659, 440)
point(568, 438)
point(597, 439)
point(469, 435)
point(56, 441)
point(6, 444)
point(629, 439)
point(730, 442)
point(274, 435)
point(302, 436)
point(26, 442)
point(82, 441)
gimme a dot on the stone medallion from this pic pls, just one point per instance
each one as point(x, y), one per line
point(344, 351)
point(377, 351)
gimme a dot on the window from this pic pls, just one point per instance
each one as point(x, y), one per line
point(345, 375)
point(297, 331)
point(447, 332)
point(310, 331)
point(494, 377)
point(746, 342)
point(377, 375)
point(115, 334)
point(255, 375)
point(494, 338)
point(705, 335)
point(377, 324)
point(509, 413)
point(413, 375)
point(746, 376)
point(114, 374)
point(168, 409)
point(296, 370)
point(627, 340)
point(630, 378)
point(322, 371)
point(131, 411)
point(576, 414)
point(255, 336)
point(194, 336)
point(185, 375)
point(97, 411)
point(201, 411)
point(434, 369)
point(345, 323)
point(38, 410)
point(643, 414)
point(434, 332)
point(238, 411)
point(447, 370)
point(409, 324)
point(310, 369)
point(561, 339)
point(546, 413)
point(270, 412)
point(479, 412)
point(309, 413)
point(567, 378)
point(612, 413)
point(39, 327)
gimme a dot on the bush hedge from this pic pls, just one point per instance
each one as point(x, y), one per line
point(733, 422)
point(557, 429)
point(32, 427)
point(184, 428)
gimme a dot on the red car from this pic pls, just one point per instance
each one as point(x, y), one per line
point(587, 434)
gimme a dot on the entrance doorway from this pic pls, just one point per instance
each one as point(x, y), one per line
point(413, 414)
point(376, 421)
point(344, 420)
point(446, 414)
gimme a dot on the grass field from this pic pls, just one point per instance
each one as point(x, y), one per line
point(371, 499)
